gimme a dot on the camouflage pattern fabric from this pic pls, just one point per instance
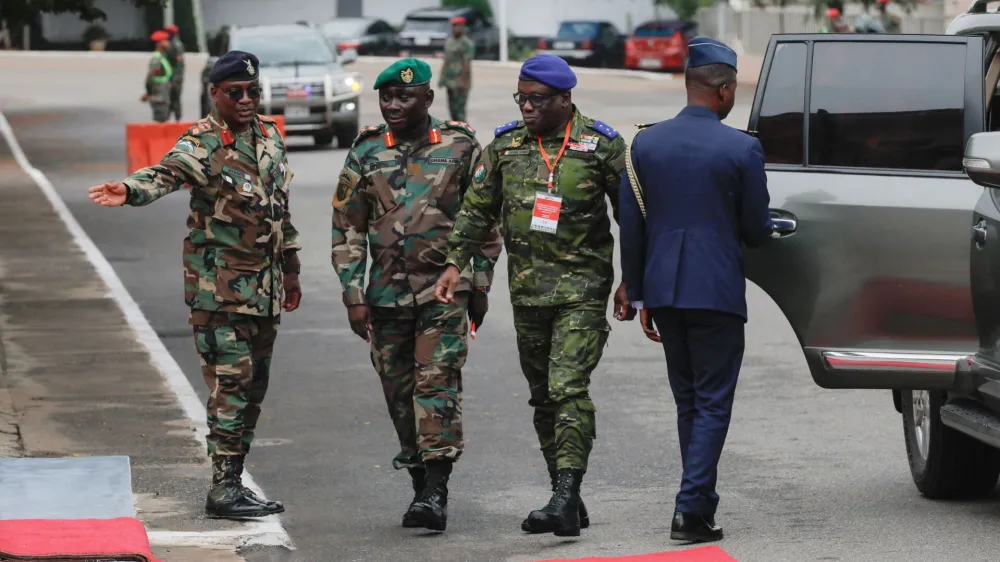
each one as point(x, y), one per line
point(176, 55)
point(573, 264)
point(401, 200)
point(456, 53)
point(158, 81)
point(235, 351)
point(457, 99)
point(560, 346)
point(419, 353)
point(241, 240)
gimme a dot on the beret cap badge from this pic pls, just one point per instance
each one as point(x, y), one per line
point(406, 75)
point(250, 69)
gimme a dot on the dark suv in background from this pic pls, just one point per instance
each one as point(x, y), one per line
point(302, 79)
point(424, 32)
point(587, 43)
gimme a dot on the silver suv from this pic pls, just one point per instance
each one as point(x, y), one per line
point(302, 79)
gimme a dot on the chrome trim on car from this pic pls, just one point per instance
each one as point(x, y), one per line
point(883, 361)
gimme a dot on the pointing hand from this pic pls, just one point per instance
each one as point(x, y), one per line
point(108, 194)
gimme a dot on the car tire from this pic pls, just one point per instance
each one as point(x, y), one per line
point(324, 139)
point(346, 136)
point(945, 463)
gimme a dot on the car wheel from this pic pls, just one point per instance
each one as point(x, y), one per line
point(346, 136)
point(323, 140)
point(945, 463)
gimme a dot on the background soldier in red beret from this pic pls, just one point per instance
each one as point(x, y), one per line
point(158, 78)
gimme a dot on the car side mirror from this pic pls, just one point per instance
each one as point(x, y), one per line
point(348, 56)
point(982, 159)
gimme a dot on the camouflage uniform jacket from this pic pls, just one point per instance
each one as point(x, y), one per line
point(402, 200)
point(159, 74)
point(176, 55)
point(574, 263)
point(456, 53)
point(241, 239)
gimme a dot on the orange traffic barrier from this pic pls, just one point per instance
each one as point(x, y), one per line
point(147, 143)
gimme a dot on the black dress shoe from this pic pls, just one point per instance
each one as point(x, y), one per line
point(694, 528)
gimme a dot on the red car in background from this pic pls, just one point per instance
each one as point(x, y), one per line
point(659, 45)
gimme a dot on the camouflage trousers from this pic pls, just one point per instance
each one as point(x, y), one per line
point(559, 347)
point(419, 353)
point(457, 98)
point(161, 112)
point(235, 351)
point(175, 100)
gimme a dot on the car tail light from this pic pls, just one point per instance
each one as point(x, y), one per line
point(587, 44)
point(349, 45)
point(677, 40)
point(629, 45)
point(541, 44)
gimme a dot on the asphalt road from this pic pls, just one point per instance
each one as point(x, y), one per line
point(808, 474)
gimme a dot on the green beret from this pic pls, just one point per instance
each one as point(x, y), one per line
point(404, 72)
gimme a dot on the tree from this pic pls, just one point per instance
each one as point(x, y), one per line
point(482, 5)
point(16, 11)
point(686, 9)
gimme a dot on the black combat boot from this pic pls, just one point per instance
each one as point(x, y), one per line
point(419, 477)
point(275, 506)
point(431, 510)
point(528, 524)
point(226, 498)
point(561, 516)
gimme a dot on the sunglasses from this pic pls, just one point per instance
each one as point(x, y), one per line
point(535, 99)
point(236, 94)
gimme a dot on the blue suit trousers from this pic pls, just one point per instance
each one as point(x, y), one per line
point(704, 351)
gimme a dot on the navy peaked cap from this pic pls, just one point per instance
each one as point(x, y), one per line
point(704, 51)
point(235, 66)
point(550, 70)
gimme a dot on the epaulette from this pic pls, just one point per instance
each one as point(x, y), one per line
point(267, 119)
point(459, 126)
point(506, 127)
point(642, 126)
point(367, 131)
point(604, 129)
point(200, 127)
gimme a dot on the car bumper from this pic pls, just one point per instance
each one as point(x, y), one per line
point(315, 116)
point(673, 61)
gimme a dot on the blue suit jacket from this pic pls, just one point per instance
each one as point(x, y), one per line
point(705, 192)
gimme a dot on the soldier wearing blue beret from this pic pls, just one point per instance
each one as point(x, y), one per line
point(548, 178)
point(695, 192)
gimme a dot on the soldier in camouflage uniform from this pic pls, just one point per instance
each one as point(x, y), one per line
point(241, 262)
point(456, 70)
point(559, 264)
point(400, 190)
point(159, 77)
point(176, 55)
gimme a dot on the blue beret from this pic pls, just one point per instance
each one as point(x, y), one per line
point(550, 70)
point(704, 51)
point(234, 66)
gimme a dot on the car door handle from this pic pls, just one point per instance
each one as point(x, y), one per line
point(782, 224)
point(979, 233)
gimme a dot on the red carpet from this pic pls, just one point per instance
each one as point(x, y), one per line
point(116, 540)
point(701, 554)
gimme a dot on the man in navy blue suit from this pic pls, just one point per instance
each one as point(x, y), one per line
point(703, 193)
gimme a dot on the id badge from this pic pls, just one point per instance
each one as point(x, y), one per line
point(545, 215)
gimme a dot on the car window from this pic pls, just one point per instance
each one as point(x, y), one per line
point(658, 29)
point(577, 29)
point(782, 109)
point(887, 105)
point(288, 48)
point(381, 27)
point(344, 28)
point(437, 25)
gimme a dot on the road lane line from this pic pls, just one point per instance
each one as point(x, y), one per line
point(267, 531)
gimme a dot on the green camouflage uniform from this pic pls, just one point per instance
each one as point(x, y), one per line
point(456, 53)
point(401, 199)
point(158, 78)
point(176, 56)
point(559, 282)
point(240, 244)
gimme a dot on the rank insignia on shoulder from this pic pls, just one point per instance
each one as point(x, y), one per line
point(504, 128)
point(365, 131)
point(462, 126)
point(604, 129)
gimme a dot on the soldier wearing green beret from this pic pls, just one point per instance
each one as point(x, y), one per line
point(399, 192)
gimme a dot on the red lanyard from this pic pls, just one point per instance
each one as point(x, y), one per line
point(552, 166)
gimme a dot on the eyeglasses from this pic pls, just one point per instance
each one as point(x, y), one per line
point(535, 99)
point(236, 94)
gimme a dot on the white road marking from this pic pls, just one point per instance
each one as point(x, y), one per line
point(267, 531)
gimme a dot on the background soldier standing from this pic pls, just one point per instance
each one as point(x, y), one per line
point(158, 78)
point(456, 70)
point(176, 55)
point(241, 263)
point(409, 176)
point(551, 175)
